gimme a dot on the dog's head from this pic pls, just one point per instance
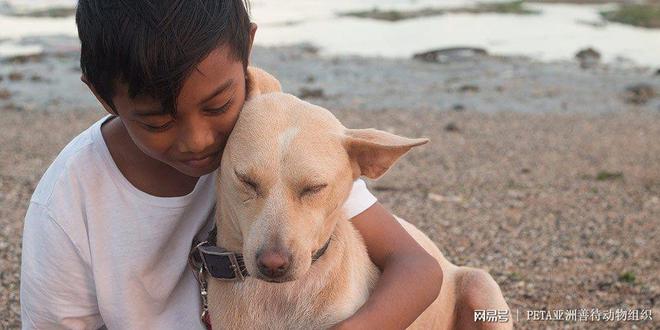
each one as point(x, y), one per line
point(286, 171)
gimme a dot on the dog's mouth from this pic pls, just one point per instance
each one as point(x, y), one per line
point(283, 279)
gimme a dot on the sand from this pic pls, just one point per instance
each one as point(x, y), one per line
point(561, 207)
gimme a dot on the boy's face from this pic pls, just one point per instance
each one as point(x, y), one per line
point(207, 109)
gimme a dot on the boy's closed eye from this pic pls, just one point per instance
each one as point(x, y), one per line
point(160, 121)
point(168, 121)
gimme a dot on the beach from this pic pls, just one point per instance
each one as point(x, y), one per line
point(545, 174)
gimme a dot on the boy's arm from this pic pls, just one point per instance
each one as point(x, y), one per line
point(410, 279)
point(57, 289)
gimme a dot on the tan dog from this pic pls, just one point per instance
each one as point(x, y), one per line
point(286, 171)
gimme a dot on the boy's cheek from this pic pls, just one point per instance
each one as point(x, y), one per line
point(153, 145)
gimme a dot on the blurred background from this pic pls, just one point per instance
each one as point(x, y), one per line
point(544, 120)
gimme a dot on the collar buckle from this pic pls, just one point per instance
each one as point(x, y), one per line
point(222, 264)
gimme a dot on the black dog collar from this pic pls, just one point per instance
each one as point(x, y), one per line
point(223, 264)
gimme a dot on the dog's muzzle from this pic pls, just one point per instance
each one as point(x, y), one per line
point(223, 264)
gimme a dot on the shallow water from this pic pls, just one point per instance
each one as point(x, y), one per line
point(556, 34)
point(487, 84)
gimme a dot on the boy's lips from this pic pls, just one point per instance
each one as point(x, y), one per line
point(203, 161)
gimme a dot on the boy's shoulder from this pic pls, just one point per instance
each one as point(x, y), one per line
point(79, 157)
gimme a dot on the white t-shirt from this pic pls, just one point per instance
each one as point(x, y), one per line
point(98, 251)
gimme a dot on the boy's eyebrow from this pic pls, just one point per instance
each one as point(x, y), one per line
point(218, 90)
point(150, 113)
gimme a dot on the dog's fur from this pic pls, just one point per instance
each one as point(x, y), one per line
point(279, 153)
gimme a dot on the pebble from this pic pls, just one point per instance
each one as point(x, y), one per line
point(453, 54)
point(639, 93)
point(308, 93)
point(5, 94)
point(452, 127)
point(588, 58)
point(16, 76)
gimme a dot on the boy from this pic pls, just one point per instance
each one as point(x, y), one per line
point(110, 225)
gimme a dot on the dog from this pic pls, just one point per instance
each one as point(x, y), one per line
point(286, 170)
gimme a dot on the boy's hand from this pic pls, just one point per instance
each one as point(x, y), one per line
point(402, 292)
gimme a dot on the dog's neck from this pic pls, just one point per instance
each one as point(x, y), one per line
point(229, 235)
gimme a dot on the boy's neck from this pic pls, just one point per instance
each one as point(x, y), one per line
point(145, 173)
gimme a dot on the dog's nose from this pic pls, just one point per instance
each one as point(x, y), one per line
point(273, 263)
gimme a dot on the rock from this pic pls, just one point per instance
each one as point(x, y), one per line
point(639, 93)
point(441, 199)
point(16, 76)
point(384, 188)
point(657, 72)
point(309, 49)
point(22, 59)
point(587, 53)
point(13, 106)
point(606, 175)
point(306, 93)
point(588, 57)
point(395, 15)
point(454, 54)
point(468, 89)
point(5, 94)
point(451, 127)
point(53, 12)
point(515, 194)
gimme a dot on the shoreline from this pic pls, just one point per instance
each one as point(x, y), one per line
point(481, 83)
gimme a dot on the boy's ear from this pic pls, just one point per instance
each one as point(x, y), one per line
point(261, 82)
point(373, 152)
point(105, 105)
point(253, 31)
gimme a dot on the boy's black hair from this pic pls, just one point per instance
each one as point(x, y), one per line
point(153, 45)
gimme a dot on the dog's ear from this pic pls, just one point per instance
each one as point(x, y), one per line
point(261, 82)
point(373, 152)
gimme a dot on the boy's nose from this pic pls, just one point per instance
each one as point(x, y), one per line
point(195, 140)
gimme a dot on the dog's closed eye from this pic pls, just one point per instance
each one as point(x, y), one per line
point(313, 189)
point(249, 183)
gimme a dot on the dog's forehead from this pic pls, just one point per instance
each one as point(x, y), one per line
point(280, 116)
point(286, 108)
point(279, 122)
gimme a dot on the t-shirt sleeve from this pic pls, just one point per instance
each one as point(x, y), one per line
point(359, 199)
point(57, 286)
